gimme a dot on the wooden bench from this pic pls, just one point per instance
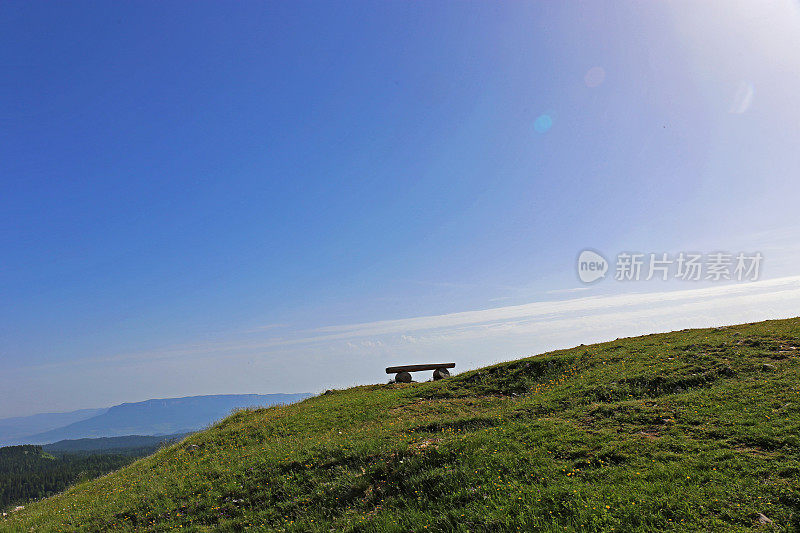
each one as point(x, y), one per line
point(403, 372)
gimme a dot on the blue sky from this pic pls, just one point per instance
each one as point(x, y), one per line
point(203, 198)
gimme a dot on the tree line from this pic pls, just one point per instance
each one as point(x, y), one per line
point(28, 473)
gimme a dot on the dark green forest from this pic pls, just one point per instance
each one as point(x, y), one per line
point(28, 473)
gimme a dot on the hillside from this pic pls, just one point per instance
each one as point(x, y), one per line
point(690, 430)
point(161, 417)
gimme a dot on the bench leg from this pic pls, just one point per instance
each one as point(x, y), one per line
point(403, 377)
point(440, 373)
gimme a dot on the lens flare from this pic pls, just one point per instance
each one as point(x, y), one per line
point(594, 76)
point(743, 98)
point(543, 123)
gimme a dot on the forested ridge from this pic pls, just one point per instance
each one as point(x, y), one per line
point(28, 473)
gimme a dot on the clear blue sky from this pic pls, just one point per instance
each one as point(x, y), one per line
point(177, 175)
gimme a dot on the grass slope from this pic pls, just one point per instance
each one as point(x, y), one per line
point(690, 430)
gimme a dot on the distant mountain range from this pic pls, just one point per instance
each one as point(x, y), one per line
point(149, 418)
point(14, 430)
point(129, 444)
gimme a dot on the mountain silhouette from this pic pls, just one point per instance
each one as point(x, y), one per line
point(161, 416)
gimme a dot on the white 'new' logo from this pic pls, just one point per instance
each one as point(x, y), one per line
point(591, 266)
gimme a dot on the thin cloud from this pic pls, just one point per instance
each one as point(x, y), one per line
point(770, 298)
point(542, 309)
point(562, 291)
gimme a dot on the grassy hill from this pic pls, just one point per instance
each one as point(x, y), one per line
point(690, 430)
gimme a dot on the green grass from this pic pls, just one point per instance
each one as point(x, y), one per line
point(672, 432)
